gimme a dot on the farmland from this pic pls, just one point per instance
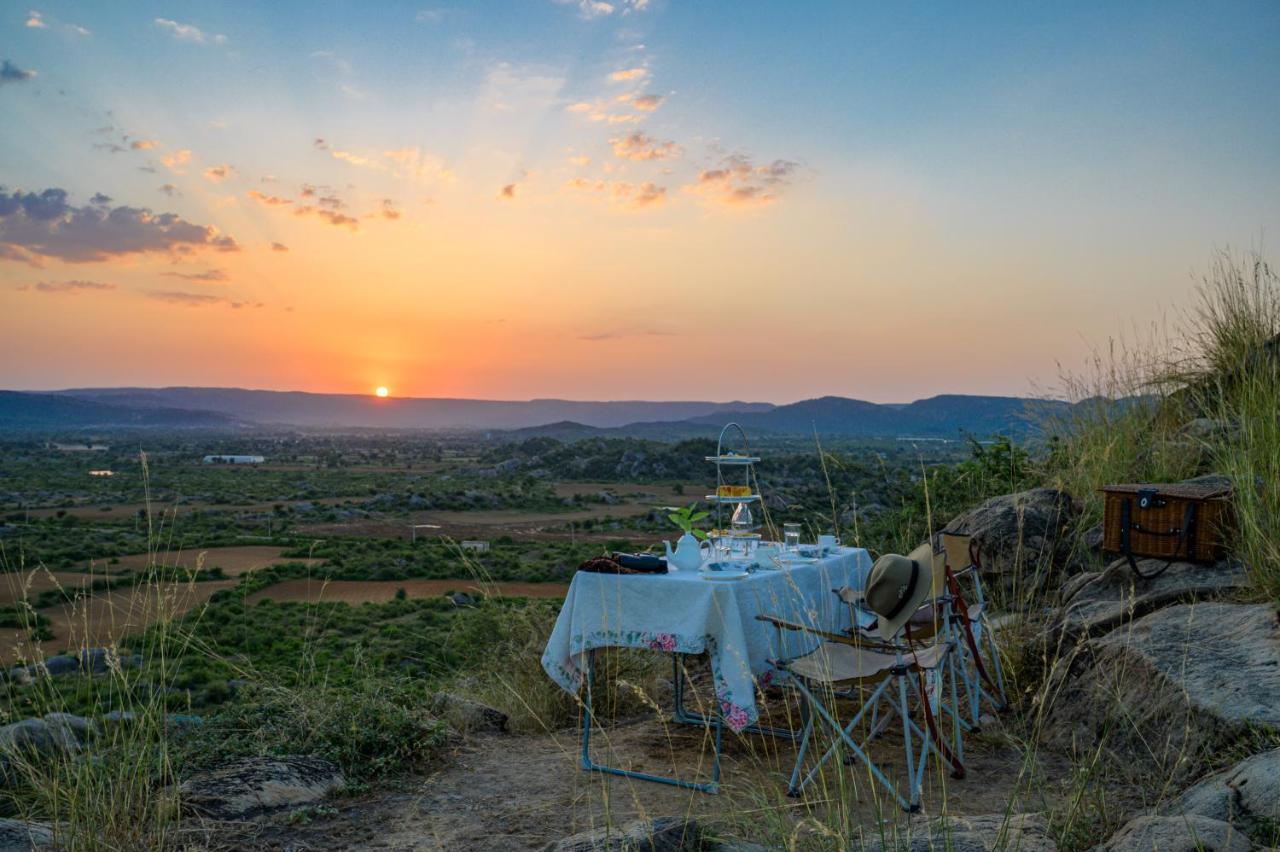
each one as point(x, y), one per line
point(360, 538)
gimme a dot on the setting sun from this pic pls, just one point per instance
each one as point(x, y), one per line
point(381, 391)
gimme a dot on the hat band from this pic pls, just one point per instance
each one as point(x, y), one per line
point(906, 596)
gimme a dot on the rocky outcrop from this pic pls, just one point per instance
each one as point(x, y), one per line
point(253, 786)
point(20, 836)
point(989, 833)
point(664, 834)
point(1247, 795)
point(1098, 602)
point(1021, 538)
point(1177, 834)
point(1167, 693)
point(467, 716)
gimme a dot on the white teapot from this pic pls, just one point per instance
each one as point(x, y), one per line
point(688, 553)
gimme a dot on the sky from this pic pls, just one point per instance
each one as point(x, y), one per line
point(632, 199)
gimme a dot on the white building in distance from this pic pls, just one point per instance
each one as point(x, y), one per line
point(234, 459)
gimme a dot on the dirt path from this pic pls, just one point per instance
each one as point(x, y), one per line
point(313, 590)
point(522, 792)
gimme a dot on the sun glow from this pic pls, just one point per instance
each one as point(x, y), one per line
point(381, 392)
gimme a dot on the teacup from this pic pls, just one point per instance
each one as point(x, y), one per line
point(828, 543)
point(766, 552)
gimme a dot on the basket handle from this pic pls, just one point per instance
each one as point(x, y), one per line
point(1185, 534)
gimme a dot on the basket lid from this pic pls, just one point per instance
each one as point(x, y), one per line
point(1185, 490)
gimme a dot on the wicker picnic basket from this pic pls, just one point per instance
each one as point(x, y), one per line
point(1187, 521)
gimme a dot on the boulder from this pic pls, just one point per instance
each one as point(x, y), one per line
point(1166, 694)
point(78, 726)
point(252, 786)
point(663, 834)
point(1104, 600)
point(97, 660)
point(467, 715)
point(462, 599)
point(119, 717)
point(1246, 795)
point(1177, 834)
point(989, 833)
point(60, 664)
point(1021, 537)
point(21, 836)
point(36, 736)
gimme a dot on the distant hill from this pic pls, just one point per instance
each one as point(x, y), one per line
point(44, 412)
point(948, 416)
point(363, 411)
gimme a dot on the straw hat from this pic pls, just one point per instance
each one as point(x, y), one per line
point(898, 585)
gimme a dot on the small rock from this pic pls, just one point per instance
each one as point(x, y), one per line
point(1177, 834)
point(119, 717)
point(97, 660)
point(663, 834)
point(461, 599)
point(37, 736)
point(21, 836)
point(256, 785)
point(467, 715)
point(60, 664)
point(1091, 539)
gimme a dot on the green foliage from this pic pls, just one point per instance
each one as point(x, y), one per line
point(685, 518)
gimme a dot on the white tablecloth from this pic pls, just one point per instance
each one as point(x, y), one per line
point(681, 612)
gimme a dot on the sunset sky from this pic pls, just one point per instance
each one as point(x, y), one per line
point(658, 199)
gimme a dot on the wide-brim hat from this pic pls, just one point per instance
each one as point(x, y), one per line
point(898, 585)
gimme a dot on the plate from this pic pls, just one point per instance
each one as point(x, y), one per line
point(724, 576)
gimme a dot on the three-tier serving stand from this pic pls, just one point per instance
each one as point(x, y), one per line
point(729, 465)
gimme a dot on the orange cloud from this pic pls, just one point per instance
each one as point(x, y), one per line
point(143, 144)
point(217, 174)
point(629, 74)
point(177, 159)
point(621, 193)
point(740, 183)
point(640, 146)
point(269, 200)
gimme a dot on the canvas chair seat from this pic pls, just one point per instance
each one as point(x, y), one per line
point(838, 663)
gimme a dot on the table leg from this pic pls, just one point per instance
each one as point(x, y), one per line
point(588, 713)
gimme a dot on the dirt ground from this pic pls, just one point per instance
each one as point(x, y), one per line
point(106, 617)
point(161, 509)
point(381, 591)
point(27, 585)
point(522, 792)
point(232, 560)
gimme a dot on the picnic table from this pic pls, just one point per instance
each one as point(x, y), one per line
point(683, 613)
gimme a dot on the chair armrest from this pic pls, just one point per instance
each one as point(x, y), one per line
point(841, 638)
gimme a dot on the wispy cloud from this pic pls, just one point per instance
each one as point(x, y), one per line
point(619, 334)
point(269, 200)
point(187, 32)
point(641, 146)
point(175, 160)
point(622, 193)
point(592, 9)
point(197, 300)
point(279, 247)
point(209, 276)
point(70, 288)
point(144, 144)
point(388, 209)
point(170, 190)
point(333, 217)
point(629, 75)
point(44, 224)
point(219, 173)
point(507, 193)
point(35, 21)
point(10, 73)
point(738, 182)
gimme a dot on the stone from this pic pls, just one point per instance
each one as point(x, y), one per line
point(987, 833)
point(1208, 429)
point(1092, 538)
point(119, 717)
point(1177, 834)
point(1020, 537)
point(461, 599)
point(1168, 693)
point(38, 737)
point(79, 727)
point(467, 715)
point(18, 835)
point(60, 664)
point(663, 834)
point(252, 786)
point(1246, 795)
point(1107, 599)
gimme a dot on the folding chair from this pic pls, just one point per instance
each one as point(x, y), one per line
point(895, 675)
point(982, 668)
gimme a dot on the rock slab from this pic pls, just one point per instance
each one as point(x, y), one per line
point(1096, 603)
point(663, 834)
point(1246, 795)
point(1020, 537)
point(20, 836)
point(987, 833)
point(1168, 692)
point(253, 786)
point(1177, 834)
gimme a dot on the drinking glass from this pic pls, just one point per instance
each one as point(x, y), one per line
point(791, 537)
